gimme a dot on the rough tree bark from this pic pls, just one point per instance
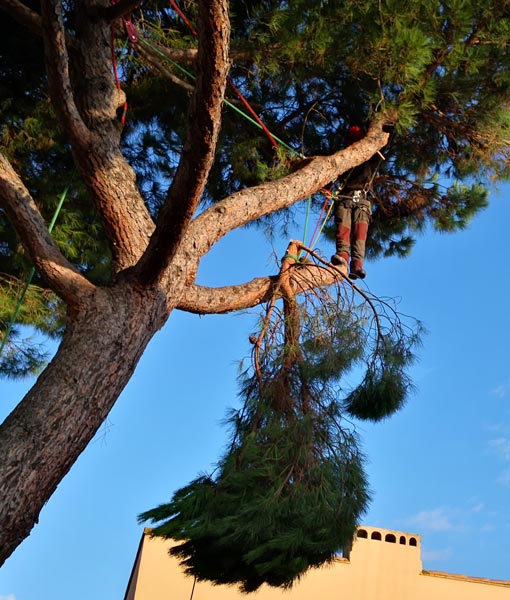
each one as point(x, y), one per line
point(109, 328)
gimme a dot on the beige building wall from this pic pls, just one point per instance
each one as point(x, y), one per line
point(382, 565)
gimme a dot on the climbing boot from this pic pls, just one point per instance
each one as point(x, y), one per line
point(338, 261)
point(356, 271)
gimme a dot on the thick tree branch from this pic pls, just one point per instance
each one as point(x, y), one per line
point(23, 15)
point(114, 11)
point(248, 205)
point(152, 58)
point(88, 114)
point(152, 54)
point(57, 68)
point(26, 219)
point(182, 56)
point(204, 121)
point(29, 19)
point(253, 203)
point(206, 300)
point(187, 56)
point(203, 300)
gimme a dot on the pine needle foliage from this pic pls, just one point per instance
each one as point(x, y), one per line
point(282, 502)
point(386, 384)
point(22, 356)
point(39, 308)
point(289, 491)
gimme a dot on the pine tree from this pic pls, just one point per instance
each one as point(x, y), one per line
point(430, 84)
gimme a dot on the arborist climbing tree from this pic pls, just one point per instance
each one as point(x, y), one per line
point(353, 211)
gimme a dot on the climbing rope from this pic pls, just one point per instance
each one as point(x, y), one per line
point(326, 210)
point(283, 144)
point(175, 6)
point(246, 116)
point(253, 119)
point(272, 140)
point(193, 588)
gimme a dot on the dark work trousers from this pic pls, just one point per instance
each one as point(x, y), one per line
point(352, 217)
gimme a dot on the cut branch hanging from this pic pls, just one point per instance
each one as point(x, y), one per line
point(290, 490)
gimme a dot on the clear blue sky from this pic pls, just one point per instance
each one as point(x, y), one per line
point(440, 468)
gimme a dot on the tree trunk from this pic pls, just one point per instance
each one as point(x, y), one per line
point(42, 438)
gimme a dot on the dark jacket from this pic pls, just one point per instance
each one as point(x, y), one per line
point(361, 177)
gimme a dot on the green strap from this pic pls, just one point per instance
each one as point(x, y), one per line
point(328, 214)
point(307, 218)
point(30, 277)
point(288, 255)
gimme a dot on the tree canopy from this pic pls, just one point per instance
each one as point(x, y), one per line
point(152, 186)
